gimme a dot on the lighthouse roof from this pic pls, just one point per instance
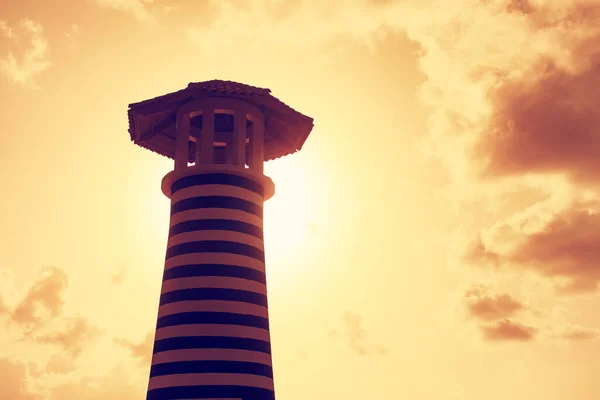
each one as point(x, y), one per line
point(152, 122)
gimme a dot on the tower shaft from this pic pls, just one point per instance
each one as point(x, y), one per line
point(212, 334)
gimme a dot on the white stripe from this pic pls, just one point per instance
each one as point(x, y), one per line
point(211, 354)
point(230, 236)
point(238, 331)
point(216, 213)
point(218, 282)
point(215, 258)
point(236, 307)
point(165, 381)
point(217, 190)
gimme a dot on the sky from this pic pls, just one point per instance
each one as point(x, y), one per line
point(435, 239)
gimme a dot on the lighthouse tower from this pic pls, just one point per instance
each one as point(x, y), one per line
point(212, 336)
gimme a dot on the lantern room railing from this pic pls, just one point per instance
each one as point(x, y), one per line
point(244, 145)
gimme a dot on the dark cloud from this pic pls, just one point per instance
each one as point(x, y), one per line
point(486, 306)
point(546, 119)
point(579, 14)
point(495, 312)
point(141, 351)
point(508, 330)
point(567, 249)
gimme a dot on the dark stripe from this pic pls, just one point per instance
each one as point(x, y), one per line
point(243, 296)
point(209, 317)
point(211, 392)
point(217, 225)
point(217, 179)
point(216, 246)
point(211, 366)
point(233, 271)
point(211, 342)
point(232, 203)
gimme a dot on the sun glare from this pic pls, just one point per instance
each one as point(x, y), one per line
point(290, 216)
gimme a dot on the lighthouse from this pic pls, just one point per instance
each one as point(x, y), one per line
point(212, 337)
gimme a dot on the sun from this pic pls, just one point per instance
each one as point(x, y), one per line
point(290, 217)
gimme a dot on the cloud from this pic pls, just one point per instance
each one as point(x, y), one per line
point(116, 385)
point(3, 307)
point(141, 351)
point(496, 110)
point(44, 300)
point(485, 306)
point(6, 287)
point(60, 364)
point(494, 312)
point(6, 30)
point(519, 6)
point(527, 110)
point(297, 25)
point(575, 332)
point(76, 334)
point(357, 336)
point(508, 330)
point(72, 35)
point(39, 316)
point(140, 9)
point(32, 62)
point(561, 245)
point(533, 101)
point(118, 277)
point(511, 90)
point(16, 381)
point(547, 123)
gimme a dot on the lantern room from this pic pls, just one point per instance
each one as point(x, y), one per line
point(218, 122)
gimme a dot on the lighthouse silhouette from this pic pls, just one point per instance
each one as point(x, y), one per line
point(212, 336)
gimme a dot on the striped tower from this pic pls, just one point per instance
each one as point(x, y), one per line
point(212, 336)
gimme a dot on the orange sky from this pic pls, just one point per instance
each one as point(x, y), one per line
point(439, 229)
